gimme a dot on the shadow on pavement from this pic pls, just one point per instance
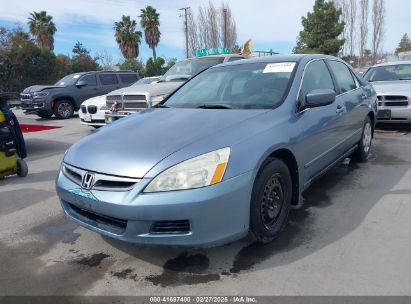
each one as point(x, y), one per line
point(331, 211)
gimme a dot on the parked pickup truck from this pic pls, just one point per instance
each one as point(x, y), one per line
point(66, 96)
point(137, 97)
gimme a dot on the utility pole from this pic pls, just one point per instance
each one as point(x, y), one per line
point(225, 27)
point(185, 9)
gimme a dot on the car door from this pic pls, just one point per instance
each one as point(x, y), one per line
point(349, 99)
point(319, 127)
point(109, 82)
point(89, 89)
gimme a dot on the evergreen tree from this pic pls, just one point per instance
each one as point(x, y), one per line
point(322, 29)
point(404, 45)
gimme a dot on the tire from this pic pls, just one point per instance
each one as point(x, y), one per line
point(273, 184)
point(364, 145)
point(22, 168)
point(63, 109)
point(44, 115)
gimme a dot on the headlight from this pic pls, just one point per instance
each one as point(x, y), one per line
point(156, 99)
point(40, 94)
point(204, 170)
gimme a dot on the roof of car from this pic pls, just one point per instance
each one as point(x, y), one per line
point(280, 58)
point(392, 63)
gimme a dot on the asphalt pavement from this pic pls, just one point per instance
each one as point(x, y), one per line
point(351, 237)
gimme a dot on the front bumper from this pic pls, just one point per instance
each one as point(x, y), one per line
point(113, 116)
point(396, 114)
point(96, 119)
point(34, 105)
point(216, 214)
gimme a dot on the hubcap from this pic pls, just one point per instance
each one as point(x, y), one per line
point(367, 137)
point(64, 109)
point(272, 201)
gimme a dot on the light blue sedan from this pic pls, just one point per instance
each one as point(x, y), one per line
point(223, 157)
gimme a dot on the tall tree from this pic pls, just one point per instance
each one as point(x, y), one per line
point(150, 23)
point(206, 29)
point(322, 29)
point(351, 25)
point(404, 45)
point(43, 28)
point(127, 38)
point(378, 23)
point(364, 13)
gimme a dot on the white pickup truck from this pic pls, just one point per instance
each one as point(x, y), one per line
point(128, 100)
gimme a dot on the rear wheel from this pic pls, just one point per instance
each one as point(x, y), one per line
point(63, 109)
point(364, 146)
point(22, 168)
point(270, 201)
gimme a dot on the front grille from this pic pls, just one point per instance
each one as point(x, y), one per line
point(115, 225)
point(127, 102)
point(170, 227)
point(25, 96)
point(113, 98)
point(92, 109)
point(393, 101)
point(102, 182)
point(134, 97)
point(83, 109)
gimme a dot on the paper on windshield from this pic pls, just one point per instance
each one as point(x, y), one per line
point(279, 67)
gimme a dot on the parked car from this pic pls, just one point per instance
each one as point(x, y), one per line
point(225, 155)
point(139, 97)
point(392, 81)
point(66, 96)
point(147, 80)
point(92, 111)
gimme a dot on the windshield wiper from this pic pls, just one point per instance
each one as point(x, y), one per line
point(160, 105)
point(215, 106)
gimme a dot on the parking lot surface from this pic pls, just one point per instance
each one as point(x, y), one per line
point(351, 237)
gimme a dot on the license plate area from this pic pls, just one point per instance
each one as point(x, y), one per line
point(384, 114)
point(87, 118)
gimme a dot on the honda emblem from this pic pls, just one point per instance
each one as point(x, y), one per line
point(88, 181)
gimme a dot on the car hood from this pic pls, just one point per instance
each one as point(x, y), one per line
point(37, 88)
point(154, 89)
point(132, 146)
point(97, 101)
point(392, 86)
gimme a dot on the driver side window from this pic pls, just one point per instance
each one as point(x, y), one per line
point(89, 79)
point(316, 77)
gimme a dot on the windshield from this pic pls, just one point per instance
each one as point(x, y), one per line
point(242, 86)
point(68, 80)
point(389, 73)
point(186, 69)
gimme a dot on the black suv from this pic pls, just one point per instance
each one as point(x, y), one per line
point(66, 96)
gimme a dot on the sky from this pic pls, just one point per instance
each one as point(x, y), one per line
point(271, 24)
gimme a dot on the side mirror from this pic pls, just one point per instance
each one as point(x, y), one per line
point(81, 83)
point(319, 98)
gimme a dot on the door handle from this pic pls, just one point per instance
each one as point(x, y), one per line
point(340, 109)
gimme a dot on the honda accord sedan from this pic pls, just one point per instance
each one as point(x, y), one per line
point(225, 156)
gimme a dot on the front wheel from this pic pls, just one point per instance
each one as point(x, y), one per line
point(270, 201)
point(22, 168)
point(63, 109)
point(364, 146)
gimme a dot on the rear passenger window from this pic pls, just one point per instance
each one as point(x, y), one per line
point(89, 79)
point(343, 76)
point(316, 77)
point(128, 78)
point(108, 79)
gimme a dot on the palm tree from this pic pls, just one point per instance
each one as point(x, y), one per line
point(150, 23)
point(43, 28)
point(127, 37)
